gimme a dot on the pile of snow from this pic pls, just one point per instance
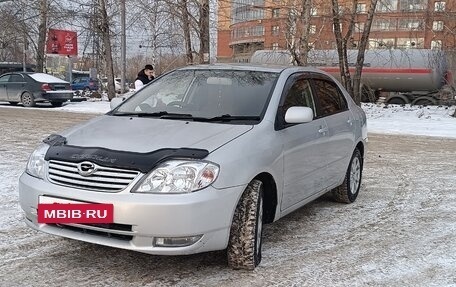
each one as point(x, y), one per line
point(435, 121)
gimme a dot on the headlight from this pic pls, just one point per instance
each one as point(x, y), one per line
point(35, 165)
point(179, 176)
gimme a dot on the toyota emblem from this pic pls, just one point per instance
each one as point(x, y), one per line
point(86, 168)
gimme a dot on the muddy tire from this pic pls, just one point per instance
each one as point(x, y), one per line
point(27, 100)
point(244, 246)
point(348, 191)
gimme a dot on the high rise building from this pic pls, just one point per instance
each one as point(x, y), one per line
point(245, 26)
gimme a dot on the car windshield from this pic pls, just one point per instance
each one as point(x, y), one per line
point(205, 95)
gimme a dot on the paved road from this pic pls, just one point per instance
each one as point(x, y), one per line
point(400, 232)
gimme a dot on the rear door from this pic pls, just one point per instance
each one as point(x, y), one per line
point(332, 106)
point(3, 84)
point(303, 144)
point(16, 86)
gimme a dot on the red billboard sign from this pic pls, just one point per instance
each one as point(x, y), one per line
point(62, 42)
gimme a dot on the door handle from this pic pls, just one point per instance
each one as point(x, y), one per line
point(323, 130)
point(350, 122)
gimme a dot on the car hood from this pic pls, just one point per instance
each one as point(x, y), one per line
point(150, 134)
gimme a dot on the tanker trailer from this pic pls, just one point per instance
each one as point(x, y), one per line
point(413, 76)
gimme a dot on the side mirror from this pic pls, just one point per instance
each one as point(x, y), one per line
point(298, 115)
point(115, 102)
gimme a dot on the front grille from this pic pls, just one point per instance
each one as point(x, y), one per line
point(111, 231)
point(102, 179)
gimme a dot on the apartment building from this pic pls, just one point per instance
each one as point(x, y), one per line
point(245, 26)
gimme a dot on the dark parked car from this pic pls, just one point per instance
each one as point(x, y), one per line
point(85, 84)
point(30, 88)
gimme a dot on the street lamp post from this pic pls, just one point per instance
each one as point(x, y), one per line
point(24, 54)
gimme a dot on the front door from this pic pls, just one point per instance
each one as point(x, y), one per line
point(303, 144)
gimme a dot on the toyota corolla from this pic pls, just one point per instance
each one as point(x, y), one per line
point(199, 160)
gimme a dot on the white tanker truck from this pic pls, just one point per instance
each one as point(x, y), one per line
point(414, 76)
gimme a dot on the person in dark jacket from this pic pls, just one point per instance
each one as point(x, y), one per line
point(144, 77)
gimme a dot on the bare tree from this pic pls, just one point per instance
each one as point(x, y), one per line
point(42, 30)
point(348, 15)
point(10, 43)
point(298, 30)
point(184, 13)
point(203, 25)
point(105, 35)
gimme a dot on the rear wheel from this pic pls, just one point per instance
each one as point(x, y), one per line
point(424, 101)
point(348, 191)
point(27, 100)
point(244, 247)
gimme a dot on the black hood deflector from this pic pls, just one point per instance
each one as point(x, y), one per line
point(143, 162)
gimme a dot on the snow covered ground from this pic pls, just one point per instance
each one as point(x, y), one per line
point(400, 232)
point(435, 121)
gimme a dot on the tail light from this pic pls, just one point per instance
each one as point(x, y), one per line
point(46, 87)
point(91, 83)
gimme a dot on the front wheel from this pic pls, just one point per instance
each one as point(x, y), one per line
point(244, 247)
point(348, 191)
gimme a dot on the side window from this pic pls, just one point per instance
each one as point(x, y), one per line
point(4, 79)
point(15, 78)
point(331, 99)
point(300, 94)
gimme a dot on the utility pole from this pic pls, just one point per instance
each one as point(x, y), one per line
point(24, 54)
point(123, 46)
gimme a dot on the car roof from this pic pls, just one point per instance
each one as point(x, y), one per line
point(254, 67)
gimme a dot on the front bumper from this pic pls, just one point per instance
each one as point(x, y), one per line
point(142, 217)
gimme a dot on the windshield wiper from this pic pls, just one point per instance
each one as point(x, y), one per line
point(227, 118)
point(177, 116)
point(156, 114)
point(160, 114)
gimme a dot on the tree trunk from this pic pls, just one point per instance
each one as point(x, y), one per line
point(42, 29)
point(186, 29)
point(204, 31)
point(105, 34)
point(361, 51)
point(298, 31)
point(304, 37)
